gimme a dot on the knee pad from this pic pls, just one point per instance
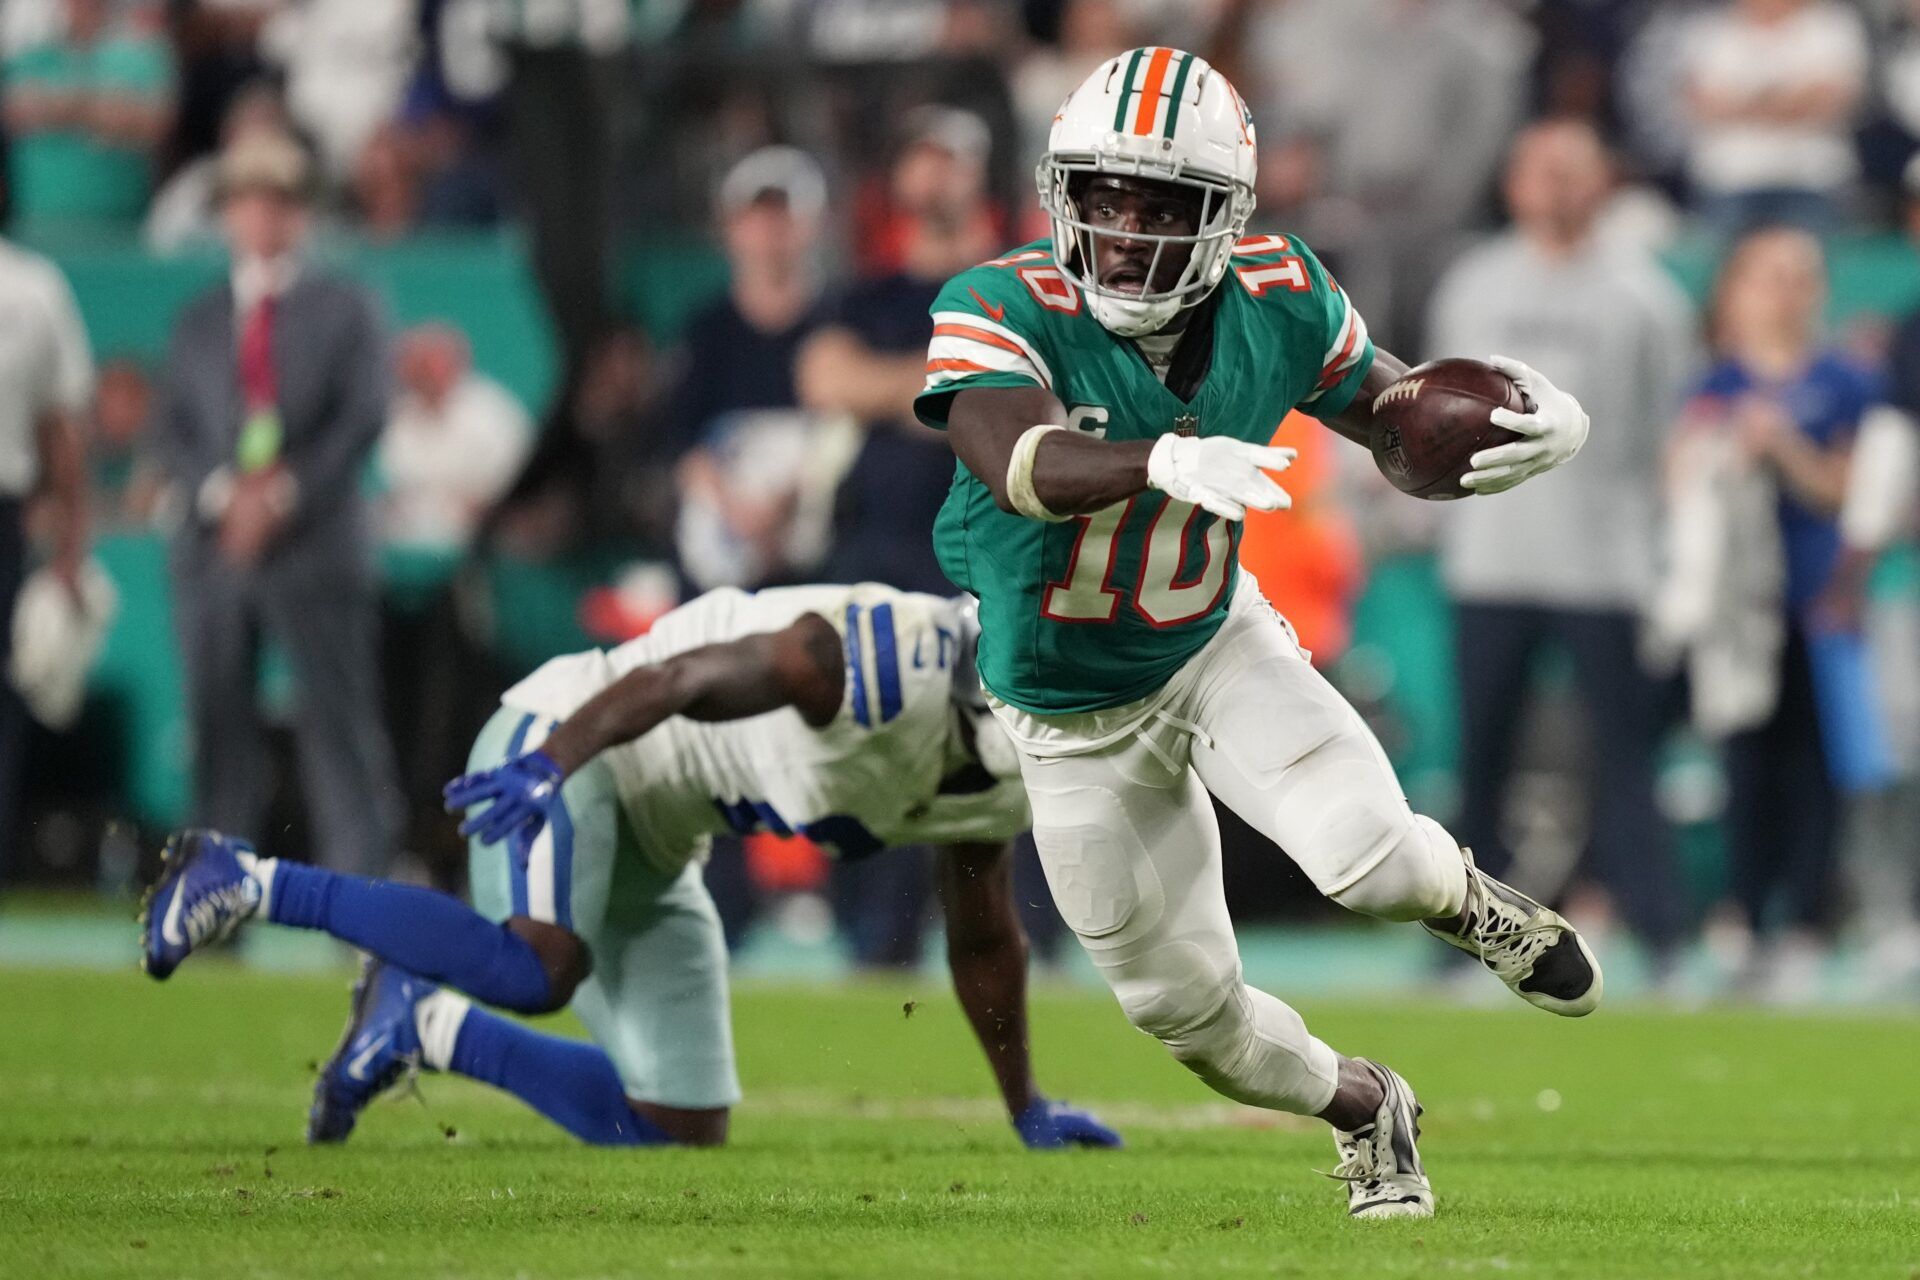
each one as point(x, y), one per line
point(1174, 988)
point(1417, 874)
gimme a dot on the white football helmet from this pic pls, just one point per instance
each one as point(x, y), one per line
point(1153, 113)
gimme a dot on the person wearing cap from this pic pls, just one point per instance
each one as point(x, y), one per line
point(737, 359)
point(274, 395)
point(868, 362)
point(739, 351)
point(46, 384)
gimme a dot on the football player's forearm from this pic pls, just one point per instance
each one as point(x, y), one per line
point(1076, 474)
point(796, 667)
point(1073, 472)
point(627, 709)
point(1355, 422)
point(987, 956)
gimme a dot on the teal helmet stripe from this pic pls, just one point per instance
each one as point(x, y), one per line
point(1127, 91)
point(1179, 86)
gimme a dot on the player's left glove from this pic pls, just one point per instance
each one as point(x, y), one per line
point(1554, 431)
point(1050, 1126)
point(518, 795)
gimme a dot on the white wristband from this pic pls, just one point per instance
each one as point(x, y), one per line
point(1020, 474)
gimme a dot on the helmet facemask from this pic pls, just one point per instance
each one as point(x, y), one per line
point(1225, 205)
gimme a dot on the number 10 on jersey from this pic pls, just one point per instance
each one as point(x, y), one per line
point(1088, 594)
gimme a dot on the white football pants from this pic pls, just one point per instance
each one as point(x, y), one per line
point(1132, 852)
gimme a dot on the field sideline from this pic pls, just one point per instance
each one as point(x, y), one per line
point(155, 1131)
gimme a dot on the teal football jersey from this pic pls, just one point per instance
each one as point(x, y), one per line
point(1101, 610)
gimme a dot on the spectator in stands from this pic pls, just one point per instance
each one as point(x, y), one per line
point(126, 488)
point(218, 47)
point(454, 442)
point(186, 212)
point(1526, 571)
point(599, 478)
point(740, 506)
point(346, 65)
point(898, 30)
point(1410, 104)
point(868, 362)
point(386, 185)
point(453, 113)
point(46, 382)
point(869, 359)
point(1756, 473)
point(452, 445)
point(275, 395)
point(1878, 515)
point(1772, 89)
point(1090, 31)
point(86, 114)
point(564, 86)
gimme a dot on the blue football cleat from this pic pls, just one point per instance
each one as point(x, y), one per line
point(204, 891)
point(378, 1047)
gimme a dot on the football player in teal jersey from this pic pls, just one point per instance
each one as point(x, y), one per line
point(1110, 394)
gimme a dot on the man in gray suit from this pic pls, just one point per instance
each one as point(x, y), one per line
point(275, 393)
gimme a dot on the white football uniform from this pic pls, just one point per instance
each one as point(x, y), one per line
point(1128, 840)
point(619, 859)
point(867, 781)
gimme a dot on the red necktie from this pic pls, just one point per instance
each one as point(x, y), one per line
point(260, 429)
point(256, 356)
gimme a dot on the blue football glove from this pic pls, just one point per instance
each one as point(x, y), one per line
point(1052, 1126)
point(518, 795)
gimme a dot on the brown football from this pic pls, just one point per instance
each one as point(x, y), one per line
point(1429, 424)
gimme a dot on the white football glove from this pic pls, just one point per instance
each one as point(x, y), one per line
point(1555, 430)
point(1224, 475)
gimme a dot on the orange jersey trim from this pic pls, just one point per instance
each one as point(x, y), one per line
point(972, 334)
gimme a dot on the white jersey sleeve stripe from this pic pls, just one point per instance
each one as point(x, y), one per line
point(986, 330)
point(1346, 352)
point(948, 353)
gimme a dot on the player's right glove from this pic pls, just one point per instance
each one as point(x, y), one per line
point(1049, 1126)
point(1554, 429)
point(1224, 475)
point(518, 794)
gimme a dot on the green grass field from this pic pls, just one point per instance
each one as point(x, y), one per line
point(155, 1131)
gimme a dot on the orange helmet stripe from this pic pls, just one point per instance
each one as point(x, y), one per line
point(1149, 107)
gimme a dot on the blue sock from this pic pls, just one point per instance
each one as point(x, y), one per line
point(570, 1082)
point(420, 930)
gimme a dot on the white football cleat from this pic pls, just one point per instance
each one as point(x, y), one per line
point(1380, 1162)
point(1531, 948)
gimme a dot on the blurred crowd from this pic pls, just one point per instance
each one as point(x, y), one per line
point(1688, 629)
